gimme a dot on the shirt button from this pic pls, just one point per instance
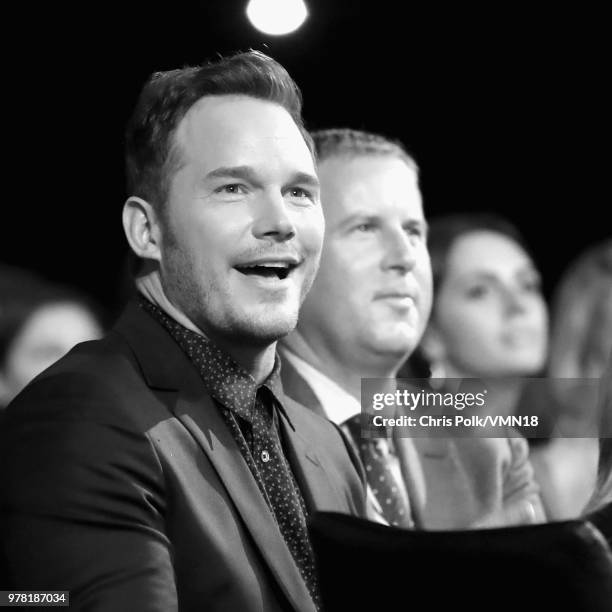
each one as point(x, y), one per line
point(265, 456)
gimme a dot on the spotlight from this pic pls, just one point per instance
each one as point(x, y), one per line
point(277, 17)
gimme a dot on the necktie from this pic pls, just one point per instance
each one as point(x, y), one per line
point(284, 496)
point(383, 475)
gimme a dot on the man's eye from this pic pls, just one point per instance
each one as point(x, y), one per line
point(364, 227)
point(232, 189)
point(298, 192)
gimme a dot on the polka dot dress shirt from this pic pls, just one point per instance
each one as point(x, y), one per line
point(252, 415)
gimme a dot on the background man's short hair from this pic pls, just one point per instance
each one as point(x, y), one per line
point(151, 155)
point(345, 142)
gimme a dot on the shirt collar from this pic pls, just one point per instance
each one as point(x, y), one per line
point(227, 382)
point(338, 405)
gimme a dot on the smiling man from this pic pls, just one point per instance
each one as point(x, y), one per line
point(163, 468)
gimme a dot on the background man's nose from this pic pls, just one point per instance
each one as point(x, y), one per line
point(399, 251)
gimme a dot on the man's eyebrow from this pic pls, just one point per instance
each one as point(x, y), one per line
point(358, 215)
point(306, 179)
point(241, 172)
point(364, 215)
point(418, 222)
point(247, 173)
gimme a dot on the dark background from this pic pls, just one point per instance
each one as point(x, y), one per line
point(504, 110)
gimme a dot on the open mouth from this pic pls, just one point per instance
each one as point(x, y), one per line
point(267, 270)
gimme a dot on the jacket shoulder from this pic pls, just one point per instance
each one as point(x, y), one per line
point(97, 380)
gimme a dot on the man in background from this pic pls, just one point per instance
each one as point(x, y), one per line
point(369, 304)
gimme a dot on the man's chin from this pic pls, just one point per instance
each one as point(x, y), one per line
point(397, 348)
point(401, 339)
point(265, 330)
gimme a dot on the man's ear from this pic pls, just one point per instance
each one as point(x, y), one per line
point(141, 227)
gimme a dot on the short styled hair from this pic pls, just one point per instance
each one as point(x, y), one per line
point(151, 155)
point(345, 142)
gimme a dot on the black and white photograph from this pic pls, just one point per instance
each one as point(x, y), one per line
point(305, 305)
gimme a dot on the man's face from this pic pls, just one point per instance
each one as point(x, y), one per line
point(372, 296)
point(243, 227)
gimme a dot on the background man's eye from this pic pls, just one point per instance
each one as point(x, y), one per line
point(298, 192)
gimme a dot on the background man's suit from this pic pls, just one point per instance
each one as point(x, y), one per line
point(136, 496)
point(453, 483)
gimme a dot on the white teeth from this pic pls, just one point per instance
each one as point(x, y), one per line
point(283, 266)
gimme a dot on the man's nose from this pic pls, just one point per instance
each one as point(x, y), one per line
point(272, 218)
point(399, 250)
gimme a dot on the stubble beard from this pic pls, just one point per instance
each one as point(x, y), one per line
point(236, 323)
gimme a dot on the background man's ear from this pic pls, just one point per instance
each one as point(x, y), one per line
point(141, 227)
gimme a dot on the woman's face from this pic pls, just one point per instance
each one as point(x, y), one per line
point(489, 316)
point(48, 334)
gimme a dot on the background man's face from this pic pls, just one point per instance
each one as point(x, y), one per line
point(243, 226)
point(372, 295)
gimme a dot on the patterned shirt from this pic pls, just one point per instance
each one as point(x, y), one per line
point(252, 413)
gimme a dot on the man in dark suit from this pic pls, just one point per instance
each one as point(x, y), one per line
point(163, 467)
point(369, 303)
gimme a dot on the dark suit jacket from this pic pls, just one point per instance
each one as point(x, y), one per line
point(122, 483)
point(454, 483)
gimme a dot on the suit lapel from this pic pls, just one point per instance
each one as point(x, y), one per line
point(165, 366)
point(203, 420)
point(308, 467)
point(298, 389)
point(316, 486)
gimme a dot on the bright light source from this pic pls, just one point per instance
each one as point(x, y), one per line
point(277, 16)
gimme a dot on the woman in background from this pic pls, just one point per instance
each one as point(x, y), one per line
point(581, 345)
point(489, 321)
point(39, 323)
